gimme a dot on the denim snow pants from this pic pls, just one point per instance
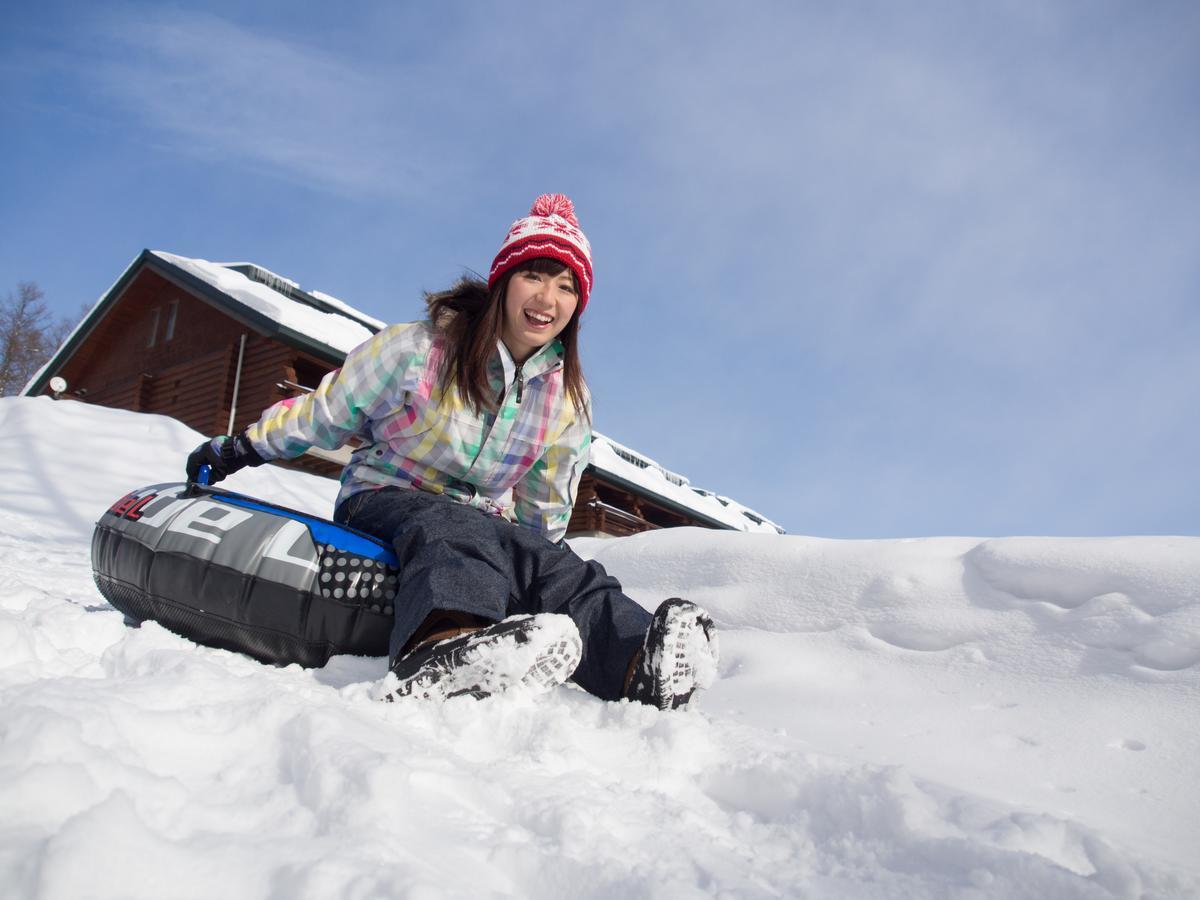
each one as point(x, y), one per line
point(455, 557)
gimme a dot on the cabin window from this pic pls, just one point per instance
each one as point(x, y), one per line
point(172, 312)
point(308, 374)
point(155, 314)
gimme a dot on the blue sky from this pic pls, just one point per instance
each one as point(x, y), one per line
point(873, 269)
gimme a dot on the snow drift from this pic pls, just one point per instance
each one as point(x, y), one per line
point(948, 717)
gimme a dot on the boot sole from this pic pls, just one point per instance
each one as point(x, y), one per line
point(532, 654)
point(678, 677)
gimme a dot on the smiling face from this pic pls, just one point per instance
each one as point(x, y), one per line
point(537, 307)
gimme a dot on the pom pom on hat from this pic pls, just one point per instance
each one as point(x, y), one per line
point(555, 205)
point(550, 231)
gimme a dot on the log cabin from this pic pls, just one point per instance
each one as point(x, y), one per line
point(214, 344)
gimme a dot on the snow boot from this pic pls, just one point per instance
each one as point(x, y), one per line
point(679, 656)
point(536, 653)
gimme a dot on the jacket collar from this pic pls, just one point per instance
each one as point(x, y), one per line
point(546, 359)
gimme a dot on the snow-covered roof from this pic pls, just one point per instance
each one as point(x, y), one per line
point(321, 318)
point(620, 462)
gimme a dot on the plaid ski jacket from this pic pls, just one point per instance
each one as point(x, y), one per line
point(524, 461)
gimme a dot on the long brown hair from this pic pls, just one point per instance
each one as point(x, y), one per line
point(470, 318)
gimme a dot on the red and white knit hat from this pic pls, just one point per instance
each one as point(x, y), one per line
point(550, 230)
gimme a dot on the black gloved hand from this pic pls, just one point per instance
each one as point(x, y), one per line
point(224, 455)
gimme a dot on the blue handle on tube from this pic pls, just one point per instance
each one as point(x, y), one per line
point(205, 476)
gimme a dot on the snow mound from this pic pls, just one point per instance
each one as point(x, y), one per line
point(947, 717)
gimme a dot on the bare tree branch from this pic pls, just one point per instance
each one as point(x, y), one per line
point(29, 335)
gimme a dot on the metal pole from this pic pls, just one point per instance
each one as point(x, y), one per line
point(237, 383)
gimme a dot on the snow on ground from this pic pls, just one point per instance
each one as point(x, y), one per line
point(952, 717)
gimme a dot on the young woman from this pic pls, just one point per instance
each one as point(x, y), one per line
point(476, 425)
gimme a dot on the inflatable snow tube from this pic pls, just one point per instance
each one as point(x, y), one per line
point(230, 571)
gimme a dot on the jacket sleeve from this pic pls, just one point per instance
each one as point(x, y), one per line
point(373, 378)
point(544, 498)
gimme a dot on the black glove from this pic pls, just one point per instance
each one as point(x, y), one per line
point(224, 455)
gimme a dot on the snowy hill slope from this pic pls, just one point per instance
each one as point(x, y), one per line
point(931, 718)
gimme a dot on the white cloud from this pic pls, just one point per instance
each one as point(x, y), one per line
point(241, 95)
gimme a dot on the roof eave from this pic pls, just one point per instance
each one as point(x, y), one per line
point(665, 502)
point(37, 384)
